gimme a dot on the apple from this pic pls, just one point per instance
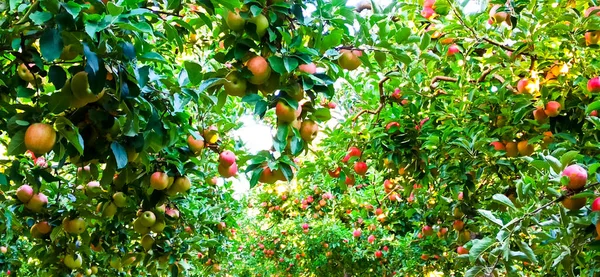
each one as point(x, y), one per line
point(260, 69)
point(596, 205)
point(40, 138)
point(24, 193)
point(24, 73)
point(354, 152)
point(524, 148)
point(75, 227)
point(424, 257)
point(498, 146)
point(452, 50)
point(592, 38)
point(69, 52)
point(357, 233)
point(335, 173)
point(227, 171)
point(371, 239)
point(73, 261)
point(429, 3)
point(266, 176)
point(527, 86)
point(285, 113)
point(180, 185)
point(80, 88)
point(349, 59)
point(427, 230)
point(234, 21)
point(552, 109)
point(591, 10)
point(227, 158)
point(309, 68)
point(159, 180)
point(147, 219)
point(120, 199)
point(158, 226)
point(262, 24)
point(498, 17)
point(574, 204)
point(512, 149)
point(110, 209)
point(458, 225)
point(43, 227)
point(593, 85)
point(37, 202)
point(92, 188)
point(427, 12)
point(349, 180)
point(235, 85)
point(147, 242)
point(309, 130)
point(195, 145)
point(594, 113)
point(211, 135)
point(3, 249)
point(391, 125)
point(331, 105)
point(360, 168)
point(462, 251)
point(577, 176)
point(540, 115)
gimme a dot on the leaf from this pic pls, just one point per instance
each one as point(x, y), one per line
point(487, 214)
point(322, 114)
point(208, 83)
point(277, 65)
point(194, 72)
point(595, 106)
point(17, 143)
point(51, 44)
point(425, 41)
point(528, 251)
point(120, 154)
point(290, 63)
point(479, 247)
point(502, 199)
point(476, 271)
point(66, 128)
point(57, 76)
point(153, 56)
point(113, 9)
point(91, 57)
point(402, 34)
point(568, 157)
point(58, 101)
point(40, 18)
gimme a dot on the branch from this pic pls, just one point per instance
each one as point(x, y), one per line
point(481, 78)
point(29, 11)
point(381, 101)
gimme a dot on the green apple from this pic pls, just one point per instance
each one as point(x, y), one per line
point(235, 85)
point(147, 219)
point(158, 227)
point(262, 24)
point(109, 210)
point(234, 21)
point(120, 199)
point(147, 242)
point(139, 228)
point(73, 261)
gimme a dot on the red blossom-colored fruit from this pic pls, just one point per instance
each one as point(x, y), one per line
point(424, 257)
point(460, 196)
point(354, 152)
point(37, 202)
point(594, 113)
point(391, 125)
point(309, 68)
point(349, 181)
point(396, 94)
point(331, 105)
point(552, 109)
point(305, 226)
point(596, 205)
point(452, 50)
point(498, 146)
point(386, 248)
point(40, 138)
point(24, 193)
point(593, 85)
point(461, 250)
point(371, 239)
point(577, 176)
point(427, 12)
point(360, 168)
point(226, 158)
point(335, 173)
point(540, 115)
point(458, 225)
point(427, 230)
point(227, 171)
point(357, 233)
point(378, 254)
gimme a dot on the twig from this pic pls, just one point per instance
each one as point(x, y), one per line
point(29, 11)
point(381, 101)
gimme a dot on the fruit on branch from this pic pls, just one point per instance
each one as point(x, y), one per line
point(262, 24)
point(524, 148)
point(498, 146)
point(69, 52)
point(349, 59)
point(574, 204)
point(593, 85)
point(335, 173)
point(427, 230)
point(577, 177)
point(371, 239)
point(147, 219)
point(210, 135)
point(391, 125)
point(452, 50)
point(296, 91)
point(458, 225)
point(309, 68)
point(462, 251)
point(540, 115)
point(147, 242)
point(378, 254)
point(73, 261)
point(92, 188)
point(37, 202)
point(590, 11)
point(526, 85)
point(592, 38)
point(234, 21)
point(195, 145)
point(512, 149)
point(180, 185)
point(497, 17)
point(360, 168)
point(309, 130)
point(227, 171)
point(158, 227)
point(139, 228)
point(552, 109)
point(227, 158)
point(427, 12)
point(159, 180)
point(24, 73)
point(285, 113)
point(80, 87)
point(547, 139)
point(110, 209)
point(235, 85)
point(42, 227)
point(40, 138)
point(357, 233)
point(596, 205)
point(261, 71)
point(24, 193)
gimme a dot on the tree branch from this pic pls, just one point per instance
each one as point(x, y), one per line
point(381, 101)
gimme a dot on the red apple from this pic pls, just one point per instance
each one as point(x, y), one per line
point(540, 115)
point(360, 168)
point(427, 230)
point(596, 205)
point(371, 239)
point(24, 193)
point(309, 68)
point(226, 158)
point(593, 85)
point(357, 233)
point(458, 225)
point(378, 254)
point(552, 109)
point(452, 50)
point(461, 250)
point(577, 176)
point(498, 146)
point(391, 125)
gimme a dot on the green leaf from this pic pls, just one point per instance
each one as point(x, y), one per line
point(57, 76)
point(209, 83)
point(66, 128)
point(502, 199)
point(479, 247)
point(290, 63)
point(487, 214)
point(40, 18)
point(277, 65)
point(595, 106)
point(51, 44)
point(113, 9)
point(194, 72)
point(17, 143)
point(568, 157)
point(402, 34)
point(153, 56)
point(91, 57)
point(58, 101)
point(425, 41)
point(120, 154)
point(72, 8)
point(322, 114)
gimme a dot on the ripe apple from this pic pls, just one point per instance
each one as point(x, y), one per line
point(498, 146)
point(371, 239)
point(120, 199)
point(227, 158)
point(354, 152)
point(180, 185)
point(452, 50)
point(592, 38)
point(40, 138)
point(498, 17)
point(234, 21)
point(357, 233)
point(424, 257)
point(235, 85)
point(24, 73)
point(540, 115)
point(211, 135)
point(593, 85)
point(596, 205)
point(458, 225)
point(147, 219)
point(3, 249)
point(285, 113)
point(73, 261)
point(37, 202)
point(512, 149)
point(309, 68)
point(227, 171)
point(309, 130)
point(462, 251)
point(195, 145)
point(24, 193)
point(524, 148)
point(335, 173)
point(427, 230)
point(110, 209)
point(552, 109)
point(92, 188)
point(574, 204)
point(360, 168)
point(262, 24)
point(527, 86)
point(147, 242)
point(260, 70)
point(427, 12)
point(391, 125)
point(577, 176)
point(43, 227)
point(349, 60)
point(378, 254)
point(75, 227)
point(159, 180)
